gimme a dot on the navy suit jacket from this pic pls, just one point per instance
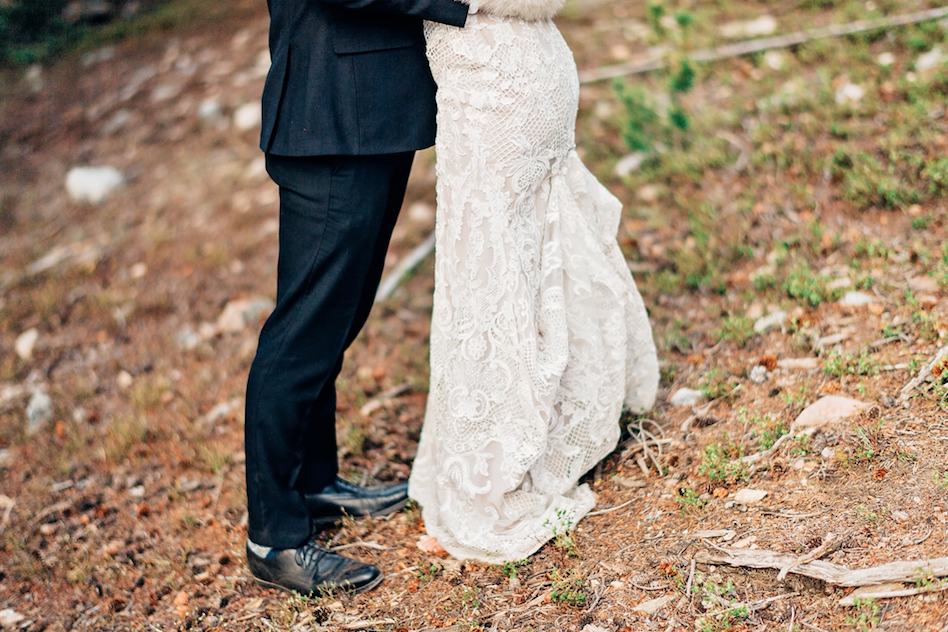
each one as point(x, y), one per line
point(350, 77)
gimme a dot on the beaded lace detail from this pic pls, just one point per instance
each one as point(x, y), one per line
point(538, 334)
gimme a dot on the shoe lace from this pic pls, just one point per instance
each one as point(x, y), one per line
point(309, 554)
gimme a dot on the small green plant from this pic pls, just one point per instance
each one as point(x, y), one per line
point(721, 461)
point(562, 534)
point(689, 500)
point(509, 569)
point(840, 364)
point(801, 445)
point(722, 601)
point(875, 517)
point(427, 572)
point(567, 588)
point(765, 428)
point(714, 384)
point(737, 328)
point(866, 616)
point(941, 479)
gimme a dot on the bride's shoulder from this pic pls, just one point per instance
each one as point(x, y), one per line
point(531, 10)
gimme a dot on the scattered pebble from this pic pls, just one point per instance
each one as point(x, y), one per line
point(923, 284)
point(34, 78)
point(759, 374)
point(187, 338)
point(653, 605)
point(124, 379)
point(98, 56)
point(10, 617)
point(247, 116)
point(827, 410)
point(749, 496)
point(927, 61)
point(886, 59)
point(628, 164)
point(799, 364)
point(38, 412)
point(209, 110)
point(774, 60)
point(685, 397)
point(6, 457)
point(137, 492)
point(240, 313)
point(118, 120)
point(850, 93)
point(165, 92)
point(92, 184)
point(856, 299)
point(138, 270)
point(24, 344)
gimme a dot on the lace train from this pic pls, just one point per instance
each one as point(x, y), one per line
point(539, 335)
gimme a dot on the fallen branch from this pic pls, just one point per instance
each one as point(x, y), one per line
point(753, 606)
point(923, 376)
point(360, 544)
point(830, 543)
point(765, 43)
point(826, 571)
point(603, 512)
point(889, 593)
point(403, 267)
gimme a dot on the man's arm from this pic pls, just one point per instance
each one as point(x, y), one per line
point(445, 11)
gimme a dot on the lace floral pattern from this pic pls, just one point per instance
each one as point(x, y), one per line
point(538, 334)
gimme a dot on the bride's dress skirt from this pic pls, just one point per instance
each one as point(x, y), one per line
point(538, 334)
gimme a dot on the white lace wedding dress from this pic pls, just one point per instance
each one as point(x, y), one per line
point(538, 334)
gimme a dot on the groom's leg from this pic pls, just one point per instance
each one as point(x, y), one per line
point(336, 216)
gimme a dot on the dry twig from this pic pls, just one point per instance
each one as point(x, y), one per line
point(923, 376)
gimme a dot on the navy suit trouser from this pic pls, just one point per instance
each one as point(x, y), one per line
point(336, 219)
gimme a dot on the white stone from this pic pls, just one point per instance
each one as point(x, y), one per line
point(827, 410)
point(774, 60)
point(25, 342)
point(595, 628)
point(187, 338)
point(248, 116)
point(209, 110)
point(850, 93)
point(648, 193)
point(759, 374)
point(165, 92)
point(39, 411)
point(685, 397)
point(653, 605)
point(764, 25)
point(923, 284)
point(124, 379)
point(630, 163)
point(92, 184)
point(749, 496)
point(138, 270)
point(927, 61)
point(34, 78)
point(799, 364)
point(6, 457)
point(856, 299)
point(899, 515)
point(10, 617)
point(885, 59)
point(828, 452)
point(137, 491)
point(240, 313)
point(118, 120)
point(765, 323)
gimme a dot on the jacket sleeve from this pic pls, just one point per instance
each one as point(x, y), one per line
point(450, 12)
point(529, 10)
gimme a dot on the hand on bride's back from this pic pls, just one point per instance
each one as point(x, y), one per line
point(530, 10)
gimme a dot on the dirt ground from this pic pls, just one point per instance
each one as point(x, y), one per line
point(124, 506)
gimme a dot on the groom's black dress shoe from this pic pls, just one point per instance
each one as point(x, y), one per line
point(343, 498)
point(311, 568)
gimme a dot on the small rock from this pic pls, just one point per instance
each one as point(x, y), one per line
point(595, 628)
point(764, 25)
point(759, 374)
point(6, 458)
point(239, 314)
point(850, 93)
point(209, 110)
point(901, 516)
point(765, 323)
point(653, 605)
point(24, 344)
point(138, 270)
point(187, 339)
point(628, 164)
point(798, 464)
point(98, 56)
point(629, 483)
point(685, 397)
point(92, 184)
point(38, 412)
point(748, 496)
point(746, 542)
point(648, 193)
point(124, 379)
point(165, 92)
point(828, 453)
point(34, 78)
point(885, 59)
point(856, 299)
point(9, 617)
point(774, 60)
point(827, 410)
point(247, 116)
point(923, 284)
point(118, 120)
point(799, 364)
point(927, 61)
point(137, 492)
